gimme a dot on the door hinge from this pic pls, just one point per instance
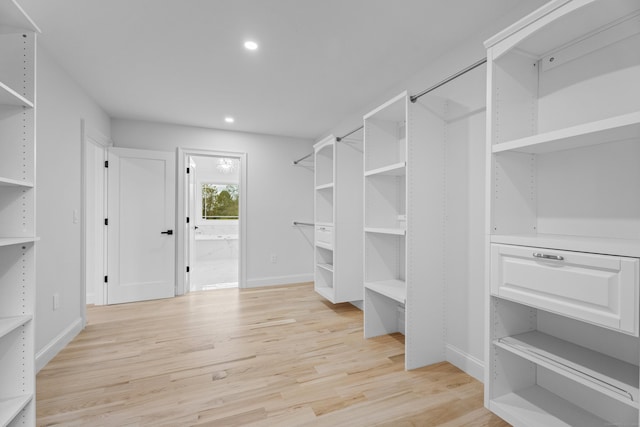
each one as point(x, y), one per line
point(106, 221)
point(106, 279)
point(187, 220)
point(187, 268)
point(106, 163)
point(187, 170)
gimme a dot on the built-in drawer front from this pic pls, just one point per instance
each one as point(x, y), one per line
point(324, 235)
point(599, 289)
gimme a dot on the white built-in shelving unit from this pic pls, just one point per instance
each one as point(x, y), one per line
point(403, 227)
point(563, 224)
point(17, 215)
point(338, 218)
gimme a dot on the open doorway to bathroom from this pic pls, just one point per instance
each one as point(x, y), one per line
point(214, 226)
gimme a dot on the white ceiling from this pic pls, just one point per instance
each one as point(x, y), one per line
point(183, 61)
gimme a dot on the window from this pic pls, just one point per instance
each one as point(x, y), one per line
point(219, 201)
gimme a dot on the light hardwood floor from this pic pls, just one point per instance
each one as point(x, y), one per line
point(278, 356)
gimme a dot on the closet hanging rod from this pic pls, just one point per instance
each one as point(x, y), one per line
point(309, 224)
point(295, 162)
point(414, 98)
point(340, 138)
point(475, 65)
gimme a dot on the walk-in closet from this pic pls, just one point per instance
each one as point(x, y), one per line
point(328, 212)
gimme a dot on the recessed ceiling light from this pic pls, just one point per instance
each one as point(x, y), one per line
point(229, 119)
point(250, 45)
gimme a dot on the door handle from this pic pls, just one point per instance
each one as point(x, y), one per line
point(545, 256)
point(169, 232)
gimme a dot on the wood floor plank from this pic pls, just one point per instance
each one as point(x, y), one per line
point(277, 356)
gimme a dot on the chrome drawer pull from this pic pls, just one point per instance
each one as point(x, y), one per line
point(546, 256)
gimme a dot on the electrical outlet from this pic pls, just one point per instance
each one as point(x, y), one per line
point(56, 301)
point(274, 258)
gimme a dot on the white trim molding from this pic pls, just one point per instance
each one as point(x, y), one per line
point(466, 362)
point(50, 350)
point(279, 280)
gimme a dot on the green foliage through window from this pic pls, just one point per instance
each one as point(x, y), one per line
point(219, 201)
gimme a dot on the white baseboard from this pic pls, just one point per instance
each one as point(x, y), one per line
point(469, 364)
point(279, 280)
point(358, 304)
point(49, 351)
point(91, 298)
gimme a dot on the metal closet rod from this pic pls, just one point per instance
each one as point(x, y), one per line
point(473, 66)
point(414, 98)
point(340, 138)
point(295, 162)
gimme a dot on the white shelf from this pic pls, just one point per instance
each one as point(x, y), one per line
point(9, 96)
point(396, 169)
point(324, 246)
point(9, 408)
point(12, 15)
point(536, 407)
point(328, 267)
point(600, 245)
point(394, 289)
point(605, 374)
point(613, 129)
point(325, 292)
point(325, 186)
point(382, 230)
point(8, 182)
point(10, 324)
point(8, 241)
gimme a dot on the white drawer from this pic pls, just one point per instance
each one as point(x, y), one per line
point(324, 235)
point(599, 289)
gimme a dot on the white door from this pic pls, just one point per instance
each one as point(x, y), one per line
point(141, 207)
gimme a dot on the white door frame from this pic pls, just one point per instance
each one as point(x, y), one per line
point(189, 199)
point(89, 135)
point(181, 214)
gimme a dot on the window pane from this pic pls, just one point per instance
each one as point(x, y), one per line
point(219, 201)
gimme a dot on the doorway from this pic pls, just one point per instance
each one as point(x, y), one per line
point(214, 197)
point(212, 207)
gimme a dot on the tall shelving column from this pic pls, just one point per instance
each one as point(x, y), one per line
point(338, 219)
point(404, 228)
point(17, 216)
point(563, 223)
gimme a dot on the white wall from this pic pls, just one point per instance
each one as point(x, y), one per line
point(270, 174)
point(61, 104)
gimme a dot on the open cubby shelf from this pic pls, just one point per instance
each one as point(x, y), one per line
point(393, 289)
point(403, 203)
point(608, 375)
